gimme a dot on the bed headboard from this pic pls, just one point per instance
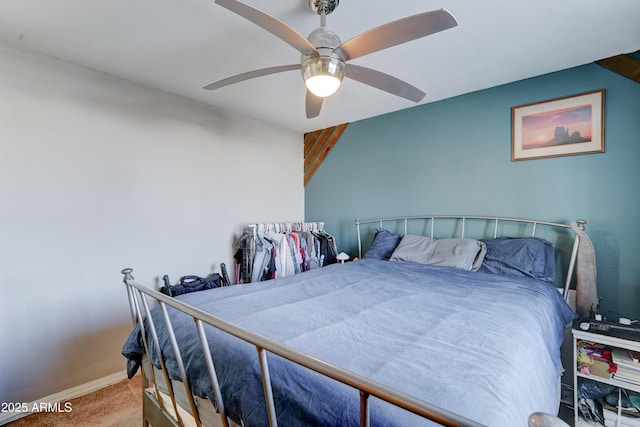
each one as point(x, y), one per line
point(563, 237)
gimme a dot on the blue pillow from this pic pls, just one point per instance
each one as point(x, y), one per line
point(383, 245)
point(521, 257)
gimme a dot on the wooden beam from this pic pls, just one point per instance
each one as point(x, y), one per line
point(314, 144)
point(317, 145)
point(625, 65)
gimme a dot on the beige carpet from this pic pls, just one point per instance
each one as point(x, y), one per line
point(119, 405)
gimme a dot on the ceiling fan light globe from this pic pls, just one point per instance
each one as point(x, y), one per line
point(323, 85)
point(322, 74)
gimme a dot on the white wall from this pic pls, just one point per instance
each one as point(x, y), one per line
point(97, 174)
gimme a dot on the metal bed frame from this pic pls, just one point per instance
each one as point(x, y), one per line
point(158, 414)
point(491, 222)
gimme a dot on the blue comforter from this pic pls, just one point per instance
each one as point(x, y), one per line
point(482, 345)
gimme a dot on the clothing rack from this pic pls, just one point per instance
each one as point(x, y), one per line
point(286, 227)
point(272, 250)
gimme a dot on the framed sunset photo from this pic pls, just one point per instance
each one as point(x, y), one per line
point(558, 127)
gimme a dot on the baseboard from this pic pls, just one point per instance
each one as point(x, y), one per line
point(68, 394)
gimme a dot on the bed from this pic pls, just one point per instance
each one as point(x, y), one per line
point(385, 340)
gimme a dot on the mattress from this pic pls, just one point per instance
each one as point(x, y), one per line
point(482, 345)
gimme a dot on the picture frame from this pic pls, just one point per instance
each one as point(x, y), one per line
point(565, 126)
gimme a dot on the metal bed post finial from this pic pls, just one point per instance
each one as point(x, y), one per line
point(130, 295)
point(127, 274)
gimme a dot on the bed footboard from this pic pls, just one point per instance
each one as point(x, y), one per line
point(157, 412)
point(162, 414)
point(153, 412)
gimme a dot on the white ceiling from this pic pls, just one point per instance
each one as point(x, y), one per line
point(179, 46)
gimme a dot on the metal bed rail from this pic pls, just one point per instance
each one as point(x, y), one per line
point(138, 301)
point(464, 219)
point(282, 227)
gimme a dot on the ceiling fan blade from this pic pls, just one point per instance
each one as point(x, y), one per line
point(252, 75)
point(397, 32)
point(384, 82)
point(313, 104)
point(271, 24)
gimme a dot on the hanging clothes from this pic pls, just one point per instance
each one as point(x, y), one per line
point(262, 258)
point(328, 249)
point(269, 251)
point(243, 255)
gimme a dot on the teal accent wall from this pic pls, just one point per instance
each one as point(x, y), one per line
point(454, 157)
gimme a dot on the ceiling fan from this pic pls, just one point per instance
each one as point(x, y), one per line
point(324, 60)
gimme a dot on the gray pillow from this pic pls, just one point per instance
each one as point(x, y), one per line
point(465, 254)
point(412, 248)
